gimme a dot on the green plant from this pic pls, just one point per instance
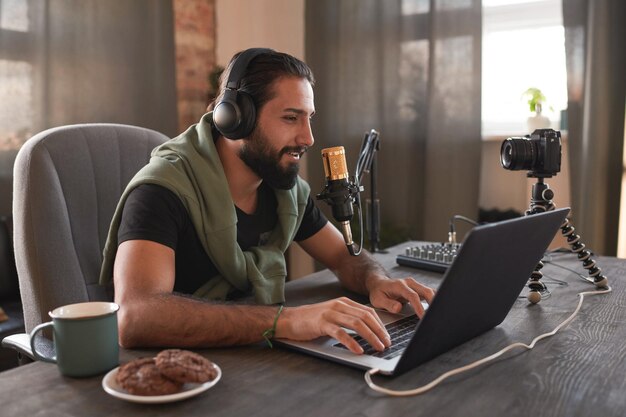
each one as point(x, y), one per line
point(536, 99)
point(214, 77)
point(214, 84)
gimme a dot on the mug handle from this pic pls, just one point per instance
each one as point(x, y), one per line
point(36, 354)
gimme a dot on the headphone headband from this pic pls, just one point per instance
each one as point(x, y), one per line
point(241, 65)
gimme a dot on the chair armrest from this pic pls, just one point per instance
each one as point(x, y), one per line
point(21, 343)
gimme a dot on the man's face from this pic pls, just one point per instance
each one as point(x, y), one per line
point(283, 133)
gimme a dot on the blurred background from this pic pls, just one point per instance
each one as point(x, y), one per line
point(443, 81)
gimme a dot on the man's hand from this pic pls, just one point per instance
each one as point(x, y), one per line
point(391, 294)
point(361, 274)
point(329, 319)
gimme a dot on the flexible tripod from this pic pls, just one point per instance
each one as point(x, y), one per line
point(541, 200)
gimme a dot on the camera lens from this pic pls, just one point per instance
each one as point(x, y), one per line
point(517, 154)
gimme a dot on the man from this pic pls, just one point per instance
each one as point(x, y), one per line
point(212, 217)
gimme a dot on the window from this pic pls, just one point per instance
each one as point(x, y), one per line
point(523, 47)
point(16, 76)
point(14, 15)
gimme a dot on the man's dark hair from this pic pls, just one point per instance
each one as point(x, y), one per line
point(262, 71)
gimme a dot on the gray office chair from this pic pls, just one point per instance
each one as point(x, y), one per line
point(67, 182)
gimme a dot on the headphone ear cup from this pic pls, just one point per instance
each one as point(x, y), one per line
point(235, 115)
point(248, 115)
point(226, 115)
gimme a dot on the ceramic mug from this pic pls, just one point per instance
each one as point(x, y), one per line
point(85, 338)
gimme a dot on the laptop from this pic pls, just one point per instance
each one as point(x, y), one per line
point(477, 292)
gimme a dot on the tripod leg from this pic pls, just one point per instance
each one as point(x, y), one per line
point(584, 255)
point(535, 286)
point(541, 201)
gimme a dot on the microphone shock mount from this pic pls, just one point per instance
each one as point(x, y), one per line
point(342, 198)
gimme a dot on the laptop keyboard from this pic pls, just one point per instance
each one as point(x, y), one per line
point(400, 331)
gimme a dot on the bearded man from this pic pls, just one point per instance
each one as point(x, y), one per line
point(207, 222)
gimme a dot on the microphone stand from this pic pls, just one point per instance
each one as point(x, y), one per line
point(368, 163)
point(373, 208)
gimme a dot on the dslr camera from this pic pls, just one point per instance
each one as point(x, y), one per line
point(538, 153)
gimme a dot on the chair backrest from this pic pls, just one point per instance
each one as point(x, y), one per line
point(67, 182)
point(8, 275)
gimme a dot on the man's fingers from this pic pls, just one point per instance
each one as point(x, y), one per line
point(425, 292)
point(389, 304)
point(412, 296)
point(363, 320)
point(369, 310)
point(367, 324)
point(405, 290)
point(345, 339)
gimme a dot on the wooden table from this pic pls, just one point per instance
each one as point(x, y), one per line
point(579, 372)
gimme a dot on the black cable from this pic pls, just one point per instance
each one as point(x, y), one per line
point(555, 281)
point(581, 276)
point(465, 219)
point(452, 233)
point(545, 292)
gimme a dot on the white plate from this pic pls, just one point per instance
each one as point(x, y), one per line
point(110, 385)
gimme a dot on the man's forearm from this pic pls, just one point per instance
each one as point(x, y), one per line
point(171, 320)
point(355, 271)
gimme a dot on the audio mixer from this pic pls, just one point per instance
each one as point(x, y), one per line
point(435, 257)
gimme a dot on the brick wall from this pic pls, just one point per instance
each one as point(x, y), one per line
point(194, 22)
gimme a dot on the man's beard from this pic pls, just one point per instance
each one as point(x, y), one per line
point(257, 153)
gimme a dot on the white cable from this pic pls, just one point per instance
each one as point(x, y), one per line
point(434, 383)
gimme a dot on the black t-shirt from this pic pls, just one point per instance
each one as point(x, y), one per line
point(152, 212)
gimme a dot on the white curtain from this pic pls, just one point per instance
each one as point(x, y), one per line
point(595, 40)
point(79, 61)
point(411, 70)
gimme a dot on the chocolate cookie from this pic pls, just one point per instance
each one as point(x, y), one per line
point(142, 377)
point(185, 366)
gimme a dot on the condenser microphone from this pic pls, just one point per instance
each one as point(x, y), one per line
point(339, 192)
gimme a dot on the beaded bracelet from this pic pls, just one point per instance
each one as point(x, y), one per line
point(268, 335)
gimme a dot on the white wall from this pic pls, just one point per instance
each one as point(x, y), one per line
point(277, 24)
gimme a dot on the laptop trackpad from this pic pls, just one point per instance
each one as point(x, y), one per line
point(407, 310)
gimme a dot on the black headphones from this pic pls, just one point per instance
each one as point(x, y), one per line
point(234, 115)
